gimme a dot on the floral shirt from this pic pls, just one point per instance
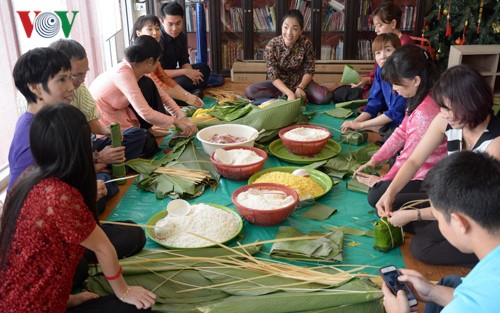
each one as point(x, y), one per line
point(45, 249)
point(289, 65)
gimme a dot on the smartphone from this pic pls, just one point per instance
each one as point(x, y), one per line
point(390, 276)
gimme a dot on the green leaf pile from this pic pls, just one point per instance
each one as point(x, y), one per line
point(183, 155)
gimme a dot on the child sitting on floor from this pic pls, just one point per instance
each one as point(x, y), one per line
point(385, 109)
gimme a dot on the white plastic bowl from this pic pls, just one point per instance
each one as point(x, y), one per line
point(236, 130)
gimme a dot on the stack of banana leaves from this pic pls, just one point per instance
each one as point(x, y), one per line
point(184, 172)
point(240, 111)
point(328, 246)
point(234, 280)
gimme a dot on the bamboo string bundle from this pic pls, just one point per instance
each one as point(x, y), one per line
point(227, 279)
point(223, 95)
point(196, 175)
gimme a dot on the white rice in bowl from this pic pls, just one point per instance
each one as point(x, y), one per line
point(243, 156)
point(260, 199)
point(204, 220)
point(306, 134)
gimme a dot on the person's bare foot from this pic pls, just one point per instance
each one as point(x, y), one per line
point(79, 298)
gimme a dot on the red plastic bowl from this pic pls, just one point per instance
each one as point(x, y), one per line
point(303, 147)
point(265, 217)
point(240, 172)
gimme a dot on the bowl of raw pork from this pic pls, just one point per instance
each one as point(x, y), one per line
point(265, 204)
point(304, 139)
point(226, 135)
point(238, 163)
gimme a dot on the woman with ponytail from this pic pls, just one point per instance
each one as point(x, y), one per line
point(411, 73)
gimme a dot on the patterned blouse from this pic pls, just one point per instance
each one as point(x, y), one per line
point(289, 65)
point(407, 136)
point(45, 249)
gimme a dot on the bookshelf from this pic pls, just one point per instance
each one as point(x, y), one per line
point(153, 7)
point(413, 12)
point(484, 58)
point(339, 29)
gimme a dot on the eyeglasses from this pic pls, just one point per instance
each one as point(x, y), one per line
point(79, 76)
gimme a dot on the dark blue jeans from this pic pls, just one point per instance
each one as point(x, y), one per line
point(452, 281)
point(133, 140)
point(187, 83)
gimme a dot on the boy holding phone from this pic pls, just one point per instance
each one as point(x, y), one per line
point(464, 190)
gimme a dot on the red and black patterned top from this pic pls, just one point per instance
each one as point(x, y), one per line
point(289, 65)
point(45, 249)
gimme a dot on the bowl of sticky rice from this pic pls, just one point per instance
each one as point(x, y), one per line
point(304, 139)
point(265, 204)
point(226, 135)
point(238, 163)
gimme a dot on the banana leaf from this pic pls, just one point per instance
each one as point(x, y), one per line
point(254, 284)
point(174, 280)
point(350, 231)
point(328, 248)
point(289, 112)
point(232, 110)
point(146, 167)
point(354, 137)
point(319, 212)
point(374, 306)
point(350, 75)
point(364, 154)
point(164, 185)
point(387, 236)
point(352, 105)
point(339, 113)
point(352, 293)
point(340, 166)
point(355, 185)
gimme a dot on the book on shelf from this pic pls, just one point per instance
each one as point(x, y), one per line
point(304, 6)
point(365, 49)
point(337, 5)
point(408, 17)
point(263, 19)
point(326, 52)
point(191, 18)
point(232, 19)
point(339, 50)
point(231, 51)
point(333, 20)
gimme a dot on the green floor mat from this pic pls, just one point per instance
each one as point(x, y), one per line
point(353, 210)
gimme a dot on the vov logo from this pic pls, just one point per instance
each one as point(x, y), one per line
point(47, 24)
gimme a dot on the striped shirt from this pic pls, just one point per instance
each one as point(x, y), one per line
point(455, 137)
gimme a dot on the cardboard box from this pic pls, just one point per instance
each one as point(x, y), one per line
point(325, 71)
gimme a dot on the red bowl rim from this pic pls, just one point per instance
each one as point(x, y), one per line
point(260, 152)
point(286, 189)
point(286, 129)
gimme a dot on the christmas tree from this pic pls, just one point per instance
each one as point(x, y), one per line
point(461, 22)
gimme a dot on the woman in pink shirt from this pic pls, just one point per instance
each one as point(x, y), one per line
point(411, 72)
point(125, 95)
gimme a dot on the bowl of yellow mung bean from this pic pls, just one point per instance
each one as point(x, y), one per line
point(315, 185)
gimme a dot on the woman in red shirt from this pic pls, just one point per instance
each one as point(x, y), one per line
point(48, 220)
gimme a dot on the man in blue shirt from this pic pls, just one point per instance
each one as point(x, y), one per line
point(464, 192)
point(175, 58)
